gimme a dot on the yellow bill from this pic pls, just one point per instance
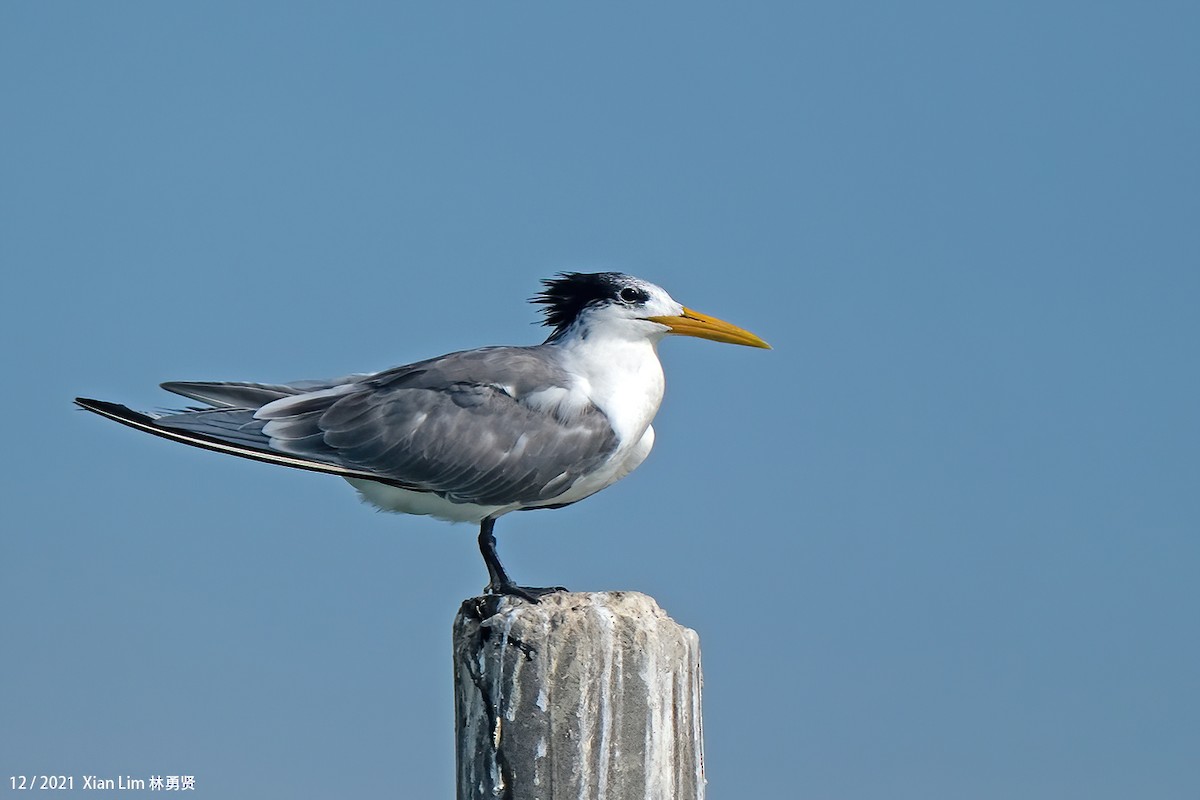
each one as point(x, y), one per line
point(693, 323)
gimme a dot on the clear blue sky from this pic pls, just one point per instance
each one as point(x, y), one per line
point(942, 542)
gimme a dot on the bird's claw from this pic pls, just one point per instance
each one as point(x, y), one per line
point(531, 593)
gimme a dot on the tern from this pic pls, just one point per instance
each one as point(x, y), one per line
point(472, 435)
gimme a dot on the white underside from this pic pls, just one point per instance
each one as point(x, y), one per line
point(405, 501)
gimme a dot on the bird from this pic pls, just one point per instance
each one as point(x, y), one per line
point(475, 434)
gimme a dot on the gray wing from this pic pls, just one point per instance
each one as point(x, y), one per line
point(471, 427)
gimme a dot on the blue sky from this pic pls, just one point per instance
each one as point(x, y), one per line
point(940, 543)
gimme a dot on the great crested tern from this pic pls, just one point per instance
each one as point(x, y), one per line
point(472, 435)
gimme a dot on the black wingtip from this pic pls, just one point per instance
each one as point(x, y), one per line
point(114, 411)
point(89, 404)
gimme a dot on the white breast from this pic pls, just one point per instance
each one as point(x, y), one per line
point(624, 379)
point(621, 377)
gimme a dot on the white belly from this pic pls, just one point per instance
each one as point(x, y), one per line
point(404, 501)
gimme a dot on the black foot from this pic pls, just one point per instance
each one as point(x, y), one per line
point(531, 593)
point(499, 583)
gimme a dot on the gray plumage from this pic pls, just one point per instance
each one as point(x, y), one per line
point(461, 426)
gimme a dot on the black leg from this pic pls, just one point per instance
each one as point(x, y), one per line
point(497, 577)
point(498, 580)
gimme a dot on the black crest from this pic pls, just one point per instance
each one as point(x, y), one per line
point(567, 294)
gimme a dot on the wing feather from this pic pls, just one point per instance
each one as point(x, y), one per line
point(473, 427)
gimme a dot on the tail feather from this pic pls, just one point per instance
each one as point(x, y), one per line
point(228, 394)
point(242, 394)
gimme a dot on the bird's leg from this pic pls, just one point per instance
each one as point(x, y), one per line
point(498, 580)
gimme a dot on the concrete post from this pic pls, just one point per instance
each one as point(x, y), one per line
point(592, 696)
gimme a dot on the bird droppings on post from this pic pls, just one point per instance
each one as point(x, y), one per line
point(582, 695)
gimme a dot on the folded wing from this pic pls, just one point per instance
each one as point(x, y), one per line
point(470, 427)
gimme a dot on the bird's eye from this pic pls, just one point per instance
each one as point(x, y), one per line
point(631, 295)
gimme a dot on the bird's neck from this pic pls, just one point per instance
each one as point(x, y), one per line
point(621, 376)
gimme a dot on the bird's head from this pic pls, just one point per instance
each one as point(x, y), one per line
point(581, 303)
